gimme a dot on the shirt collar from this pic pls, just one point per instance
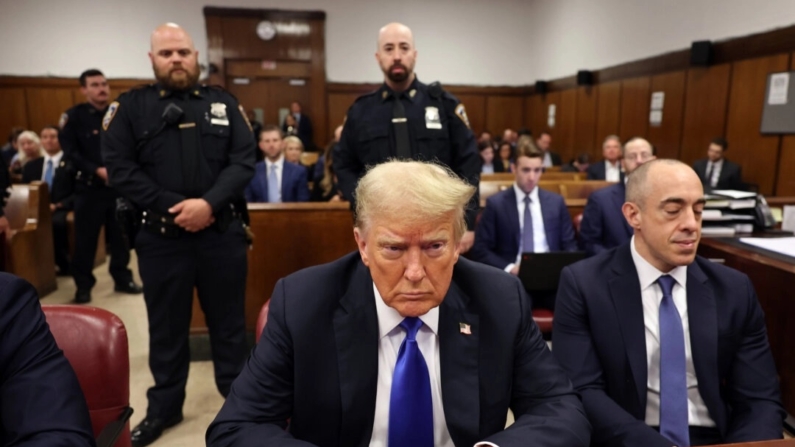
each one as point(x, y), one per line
point(616, 165)
point(279, 163)
point(520, 194)
point(165, 93)
point(389, 318)
point(386, 92)
point(56, 159)
point(648, 274)
point(715, 164)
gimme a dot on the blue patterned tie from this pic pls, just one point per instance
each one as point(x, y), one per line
point(273, 186)
point(673, 370)
point(410, 403)
point(48, 174)
point(527, 231)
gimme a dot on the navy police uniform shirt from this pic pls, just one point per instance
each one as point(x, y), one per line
point(80, 136)
point(163, 146)
point(438, 131)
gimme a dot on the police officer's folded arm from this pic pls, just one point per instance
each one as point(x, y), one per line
point(347, 166)
point(68, 139)
point(466, 159)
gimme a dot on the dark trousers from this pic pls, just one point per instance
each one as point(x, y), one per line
point(60, 239)
point(93, 209)
point(215, 264)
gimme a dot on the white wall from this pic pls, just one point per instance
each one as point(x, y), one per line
point(497, 42)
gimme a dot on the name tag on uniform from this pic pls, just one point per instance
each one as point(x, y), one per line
point(219, 121)
point(218, 111)
point(432, 118)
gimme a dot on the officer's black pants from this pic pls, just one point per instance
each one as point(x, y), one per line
point(60, 239)
point(215, 264)
point(93, 209)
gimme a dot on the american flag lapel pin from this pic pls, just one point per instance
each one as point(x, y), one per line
point(465, 328)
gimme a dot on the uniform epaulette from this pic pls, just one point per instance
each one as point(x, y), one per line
point(366, 95)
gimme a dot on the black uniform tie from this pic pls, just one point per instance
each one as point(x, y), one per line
point(401, 123)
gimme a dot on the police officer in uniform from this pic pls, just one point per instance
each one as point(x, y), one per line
point(94, 202)
point(407, 119)
point(182, 153)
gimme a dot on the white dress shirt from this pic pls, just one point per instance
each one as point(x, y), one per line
point(547, 160)
point(652, 296)
point(279, 169)
point(540, 244)
point(612, 171)
point(56, 160)
point(487, 169)
point(718, 165)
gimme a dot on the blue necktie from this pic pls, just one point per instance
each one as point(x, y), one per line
point(48, 174)
point(410, 403)
point(673, 371)
point(527, 231)
point(273, 186)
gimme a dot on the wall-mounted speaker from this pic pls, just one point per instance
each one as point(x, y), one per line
point(584, 77)
point(701, 53)
point(541, 87)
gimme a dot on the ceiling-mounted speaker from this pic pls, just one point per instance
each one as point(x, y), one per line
point(541, 87)
point(584, 77)
point(701, 53)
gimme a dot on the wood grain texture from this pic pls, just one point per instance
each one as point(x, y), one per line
point(585, 123)
point(706, 98)
point(668, 135)
point(608, 113)
point(634, 107)
point(504, 112)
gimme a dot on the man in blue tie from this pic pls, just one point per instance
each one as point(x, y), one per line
point(403, 343)
point(276, 180)
point(665, 347)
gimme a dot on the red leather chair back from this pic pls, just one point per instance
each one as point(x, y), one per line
point(262, 319)
point(95, 343)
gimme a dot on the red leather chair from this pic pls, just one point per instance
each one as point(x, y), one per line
point(262, 319)
point(95, 343)
point(543, 319)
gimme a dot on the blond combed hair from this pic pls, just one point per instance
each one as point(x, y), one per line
point(412, 191)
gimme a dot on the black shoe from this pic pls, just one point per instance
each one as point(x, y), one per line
point(150, 429)
point(130, 287)
point(82, 296)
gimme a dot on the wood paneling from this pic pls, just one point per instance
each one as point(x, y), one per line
point(46, 105)
point(566, 116)
point(549, 99)
point(338, 105)
point(785, 180)
point(254, 69)
point(585, 122)
point(538, 116)
point(503, 112)
point(668, 135)
point(706, 96)
point(634, 107)
point(608, 113)
point(13, 112)
point(756, 153)
point(475, 106)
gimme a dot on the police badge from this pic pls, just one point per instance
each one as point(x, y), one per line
point(432, 118)
point(218, 111)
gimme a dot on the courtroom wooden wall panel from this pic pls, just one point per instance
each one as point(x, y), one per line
point(668, 135)
point(785, 180)
point(46, 105)
point(634, 107)
point(338, 105)
point(608, 111)
point(756, 153)
point(585, 123)
point(475, 106)
point(549, 99)
point(504, 111)
point(14, 111)
point(538, 117)
point(706, 96)
point(565, 125)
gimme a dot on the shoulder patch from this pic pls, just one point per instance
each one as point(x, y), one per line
point(462, 113)
point(63, 120)
point(245, 117)
point(112, 108)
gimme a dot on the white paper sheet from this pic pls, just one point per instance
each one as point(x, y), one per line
point(779, 87)
point(788, 222)
point(657, 100)
point(782, 245)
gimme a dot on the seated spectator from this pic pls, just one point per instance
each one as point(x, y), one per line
point(485, 136)
point(610, 168)
point(293, 149)
point(274, 180)
point(325, 185)
point(509, 136)
point(302, 126)
point(579, 164)
point(505, 157)
point(603, 225)
point(716, 171)
point(524, 218)
point(41, 400)
point(487, 157)
point(290, 127)
point(543, 143)
point(403, 343)
point(52, 170)
point(10, 148)
point(29, 146)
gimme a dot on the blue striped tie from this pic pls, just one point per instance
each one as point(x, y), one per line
point(273, 186)
point(48, 174)
point(527, 232)
point(673, 369)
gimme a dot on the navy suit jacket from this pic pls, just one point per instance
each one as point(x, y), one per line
point(730, 175)
point(62, 183)
point(599, 338)
point(316, 364)
point(498, 235)
point(41, 403)
point(294, 185)
point(603, 224)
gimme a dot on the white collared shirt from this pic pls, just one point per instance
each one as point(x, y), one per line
point(716, 168)
point(540, 244)
point(279, 170)
point(652, 296)
point(547, 160)
point(612, 171)
point(56, 160)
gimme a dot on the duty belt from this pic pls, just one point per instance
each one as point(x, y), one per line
point(160, 224)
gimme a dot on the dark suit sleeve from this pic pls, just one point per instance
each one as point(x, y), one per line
point(466, 159)
point(753, 389)
point(592, 175)
point(70, 144)
point(302, 186)
point(41, 403)
point(346, 162)
point(574, 349)
point(568, 242)
point(736, 179)
point(546, 407)
point(28, 173)
point(486, 238)
point(261, 400)
point(591, 231)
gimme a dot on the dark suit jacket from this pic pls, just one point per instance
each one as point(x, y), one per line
point(730, 175)
point(62, 183)
point(317, 365)
point(599, 339)
point(41, 403)
point(603, 224)
point(294, 184)
point(304, 131)
point(498, 235)
point(598, 171)
point(556, 160)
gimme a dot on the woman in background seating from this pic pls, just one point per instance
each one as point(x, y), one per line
point(487, 157)
point(325, 187)
point(506, 157)
point(29, 149)
point(293, 149)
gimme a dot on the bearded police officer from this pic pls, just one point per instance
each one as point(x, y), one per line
point(95, 202)
point(182, 153)
point(407, 119)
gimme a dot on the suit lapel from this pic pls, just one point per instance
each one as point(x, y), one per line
point(286, 172)
point(619, 199)
point(625, 292)
point(512, 212)
point(545, 202)
point(458, 354)
point(356, 333)
point(263, 180)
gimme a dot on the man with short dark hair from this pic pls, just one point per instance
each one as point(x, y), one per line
point(276, 181)
point(716, 171)
point(544, 142)
point(94, 200)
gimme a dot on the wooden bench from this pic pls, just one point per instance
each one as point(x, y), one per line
point(309, 158)
point(29, 251)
